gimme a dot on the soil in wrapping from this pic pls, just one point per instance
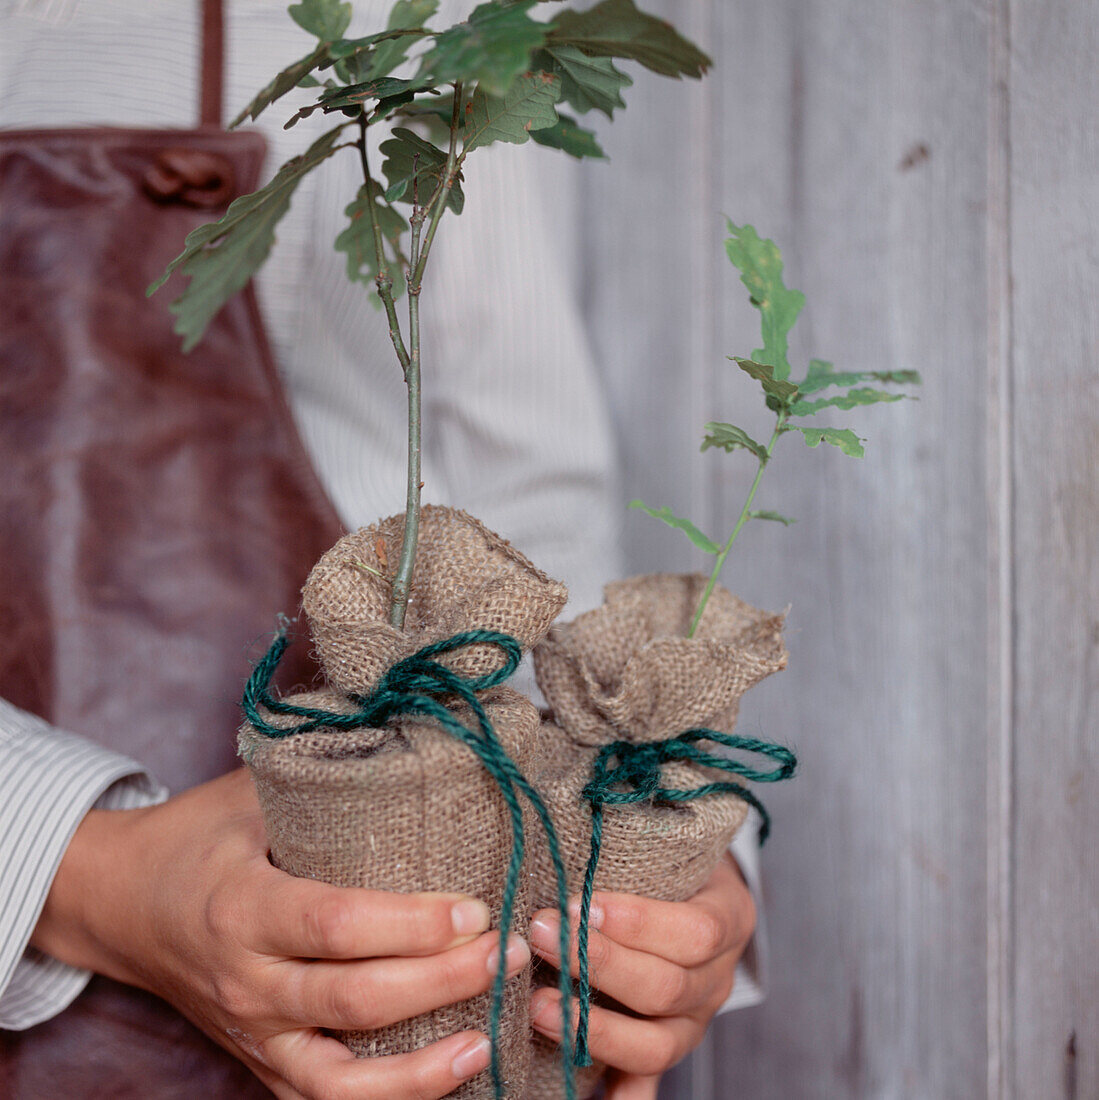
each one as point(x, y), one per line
point(407, 808)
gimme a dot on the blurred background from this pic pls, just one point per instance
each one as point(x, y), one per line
point(930, 170)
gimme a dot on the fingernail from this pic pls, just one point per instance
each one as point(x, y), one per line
point(545, 1013)
point(469, 917)
point(544, 933)
point(595, 913)
point(471, 1059)
point(517, 957)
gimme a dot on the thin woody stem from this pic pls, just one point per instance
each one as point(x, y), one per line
point(410, 365)
point(741, 520)
point(384, 280)
point(438, 201)
point(402, 582)
point(418, 254)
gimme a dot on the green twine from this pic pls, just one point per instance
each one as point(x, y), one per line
point(417, 685)
point(636, 766)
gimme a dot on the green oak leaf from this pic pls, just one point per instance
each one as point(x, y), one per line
point(821, 375)
point(527, 105)
point(385, 89)
point(862, 396)
point(376, 55)
point(729, 438)
point(570, 137)
point(615, 28)
point(220, 257)
point(760, 264)
point(685, 525)
point(587, 83)
point(777, 517)
point(357, 240)
point(843, 438)
point(492, 48)
point(408, 160)
point(327, 19)
point(406, 15)
point(779, 392)
point(433, 113)
point(291, 77)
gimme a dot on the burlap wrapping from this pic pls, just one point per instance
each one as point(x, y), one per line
point(627, 672)
point(408, 807)
point(466, 578)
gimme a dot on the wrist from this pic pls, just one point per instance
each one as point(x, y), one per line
point(88, 918)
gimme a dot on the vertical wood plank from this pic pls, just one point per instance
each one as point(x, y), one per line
point(855, 135)
point(1055, 249)
point(647, 296)
point(1000, 688)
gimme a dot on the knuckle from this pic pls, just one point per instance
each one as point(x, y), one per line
point(232, 996)
point(330, 926)
point(660, 1054)
point(457, 979)
point(630, 920)
point(429, 923)
point(746, 926)
point(354, 1003)
point(669, 990)
point(709, 934)
point(599, 953)
point(219, 916)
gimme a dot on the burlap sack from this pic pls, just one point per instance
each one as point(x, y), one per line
point(627, 672)
point(466, 578)
point(408, 807)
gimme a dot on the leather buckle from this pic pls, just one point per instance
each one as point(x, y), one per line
point(193, 177)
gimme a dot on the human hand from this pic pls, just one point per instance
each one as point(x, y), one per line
point(670, 962)
point(181, 900)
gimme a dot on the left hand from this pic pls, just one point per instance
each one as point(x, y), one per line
point(672, 963)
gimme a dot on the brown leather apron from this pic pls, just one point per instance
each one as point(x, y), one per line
point(157, 510)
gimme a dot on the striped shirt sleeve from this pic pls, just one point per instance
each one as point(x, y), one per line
point(48, 782)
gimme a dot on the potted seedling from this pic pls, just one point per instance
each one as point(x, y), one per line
point(358, 784)
point(645, 688)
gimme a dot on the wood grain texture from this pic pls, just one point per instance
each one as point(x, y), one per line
point(876, 899)
point(931, 171)
point(1054, 231)
point(815, 127)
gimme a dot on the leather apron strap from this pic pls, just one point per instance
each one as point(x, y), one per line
point(213, 64)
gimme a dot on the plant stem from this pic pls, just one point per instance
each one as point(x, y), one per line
point(384, 280)
point(402, 581)
point(741, 520)
point(437, 203)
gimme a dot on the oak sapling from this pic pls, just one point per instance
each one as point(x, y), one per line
point(499, 75)
point(760, 265)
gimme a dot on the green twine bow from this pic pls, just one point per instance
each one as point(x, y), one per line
point(417, 685)
point(636, 767)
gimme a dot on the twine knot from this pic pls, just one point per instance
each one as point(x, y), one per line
point(627, 771)
point(420, 685)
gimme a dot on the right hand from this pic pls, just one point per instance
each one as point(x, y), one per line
point(181, 900)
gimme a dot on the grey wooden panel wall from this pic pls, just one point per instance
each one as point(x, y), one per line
point(931, 170)
point(1052, 227)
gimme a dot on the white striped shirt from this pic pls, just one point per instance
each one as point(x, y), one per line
point(516, 428)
